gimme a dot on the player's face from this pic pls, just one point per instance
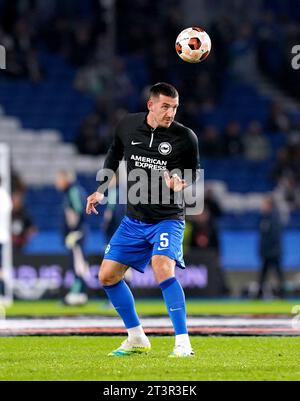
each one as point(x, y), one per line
point(163, 110)
point(60, 182)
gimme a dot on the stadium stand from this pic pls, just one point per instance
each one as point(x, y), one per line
point(41, 122)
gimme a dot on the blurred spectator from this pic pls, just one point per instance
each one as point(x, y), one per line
point(204, 232)
point(17, 185)
point(74, 233)
point(205, 88)
point(22, 58)
point(222, 33)
point(22, 226)
point(82, 43)
point(5, 210)
point(92, 79)
point(123, 86)
point(286, 165)
point(93, 136)
point(211, 144)
point(278, 120)
point(270, 248)
point(233, 145)
point(204, 236)
point(159, 61)
point(243, 48)
point(255, 143)
point(212, 204)
point(282, 166)
point(287, 195)
point(189, 115)
point(269, 46)
point(58, 35)
point(286, 174)
point(293, 146)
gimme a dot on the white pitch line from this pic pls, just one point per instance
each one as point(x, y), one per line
point(70, 323)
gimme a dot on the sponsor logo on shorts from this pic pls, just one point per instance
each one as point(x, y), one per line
point(107, 249)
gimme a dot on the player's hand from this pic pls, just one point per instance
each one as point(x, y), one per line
point(93, 201)
point(174, 182)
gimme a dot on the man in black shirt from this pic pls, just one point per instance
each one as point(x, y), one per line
point(154, 145)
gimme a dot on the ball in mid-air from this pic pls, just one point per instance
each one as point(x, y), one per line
point(193, 45)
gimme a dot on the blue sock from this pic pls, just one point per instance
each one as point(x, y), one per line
point(122, 299)
point(175, 301)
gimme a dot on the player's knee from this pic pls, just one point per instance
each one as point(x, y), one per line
point(163, 267)
point(163, 276)
point(107, 277)
point(104, 277)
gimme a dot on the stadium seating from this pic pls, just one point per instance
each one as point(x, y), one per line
point(45, 124)
point(51, 104)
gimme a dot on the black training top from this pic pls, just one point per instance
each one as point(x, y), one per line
point(153, 151)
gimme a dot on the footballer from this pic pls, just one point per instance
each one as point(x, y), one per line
point(150, 231)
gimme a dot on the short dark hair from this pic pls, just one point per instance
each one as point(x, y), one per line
point(162, 88)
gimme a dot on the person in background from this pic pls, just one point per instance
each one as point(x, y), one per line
point(74, 232)
point(211, 143)
point(92, 139)
point(256, 144)
point(22, 227)
point(278, 119)
point(5, 210)
point(212, 204)
point(204, 232)
point(270, 245)
point(232, 142)
point(205, 236)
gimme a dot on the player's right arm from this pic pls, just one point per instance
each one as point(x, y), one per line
point(111, 164)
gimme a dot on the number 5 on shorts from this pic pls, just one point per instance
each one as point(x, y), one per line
point(164, 240)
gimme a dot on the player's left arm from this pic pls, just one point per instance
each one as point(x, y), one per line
point(191, 159)
point(189, 165)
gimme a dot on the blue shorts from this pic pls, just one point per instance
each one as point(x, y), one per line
point(135, 242)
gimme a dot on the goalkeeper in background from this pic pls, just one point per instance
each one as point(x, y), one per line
point(74, 232)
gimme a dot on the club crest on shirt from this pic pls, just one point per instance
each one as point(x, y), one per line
point(165, 148)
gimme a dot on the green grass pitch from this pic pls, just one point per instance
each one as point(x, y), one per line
point(154, 308)
point(85, 358)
